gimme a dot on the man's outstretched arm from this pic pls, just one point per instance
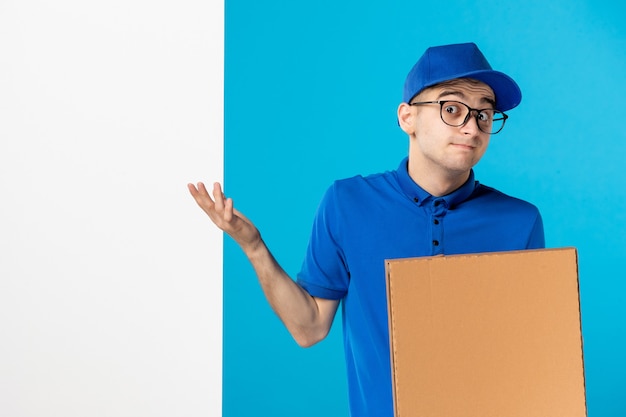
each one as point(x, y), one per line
point(307, 318)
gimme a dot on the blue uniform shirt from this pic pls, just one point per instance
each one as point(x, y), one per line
point(361, 221)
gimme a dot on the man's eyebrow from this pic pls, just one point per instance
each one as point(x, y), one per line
point(451, 93)
point(490, 101)
point(461, 95)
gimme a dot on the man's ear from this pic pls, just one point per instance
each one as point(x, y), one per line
point(406, 117)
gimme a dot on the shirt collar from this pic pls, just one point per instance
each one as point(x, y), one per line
point(420, 196)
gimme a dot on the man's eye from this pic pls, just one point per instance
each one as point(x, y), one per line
point(485, 116)
point(451, 109)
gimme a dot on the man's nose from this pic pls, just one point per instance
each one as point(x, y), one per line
point(471, 124)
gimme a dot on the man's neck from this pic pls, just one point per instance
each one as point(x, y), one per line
point(435, 182)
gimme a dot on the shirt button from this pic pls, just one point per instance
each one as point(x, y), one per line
point(435, 242)
point(436, 221)
point(415, 199)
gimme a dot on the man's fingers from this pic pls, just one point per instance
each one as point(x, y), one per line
point(202, 188)
point(218, 197)
point(192, 189)
point(218, 207)
point(198, 192)
point(223, 214)
point(228, 210)
point(217, 189)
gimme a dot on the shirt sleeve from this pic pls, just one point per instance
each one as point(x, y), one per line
point(537, 237)
point(324, 272)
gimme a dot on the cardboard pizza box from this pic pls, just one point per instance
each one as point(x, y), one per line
point(487, 335)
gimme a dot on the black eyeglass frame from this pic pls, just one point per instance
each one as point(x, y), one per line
point(467, 116)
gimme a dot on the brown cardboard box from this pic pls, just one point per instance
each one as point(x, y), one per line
point(487, 335)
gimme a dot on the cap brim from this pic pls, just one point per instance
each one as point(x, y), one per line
point(508, 93)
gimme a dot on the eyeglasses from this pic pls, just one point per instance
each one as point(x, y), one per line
point(455, 113)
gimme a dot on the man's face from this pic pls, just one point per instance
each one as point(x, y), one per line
point(438, 148)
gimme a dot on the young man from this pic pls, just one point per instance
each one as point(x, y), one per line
point(452, 103)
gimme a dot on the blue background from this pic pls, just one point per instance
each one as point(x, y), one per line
point(311, 91)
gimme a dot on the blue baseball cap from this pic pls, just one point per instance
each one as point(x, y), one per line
point(462, 60)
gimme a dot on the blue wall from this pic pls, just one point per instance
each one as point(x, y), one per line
point(310, 96)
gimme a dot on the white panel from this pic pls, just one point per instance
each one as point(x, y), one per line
point(110, 275)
